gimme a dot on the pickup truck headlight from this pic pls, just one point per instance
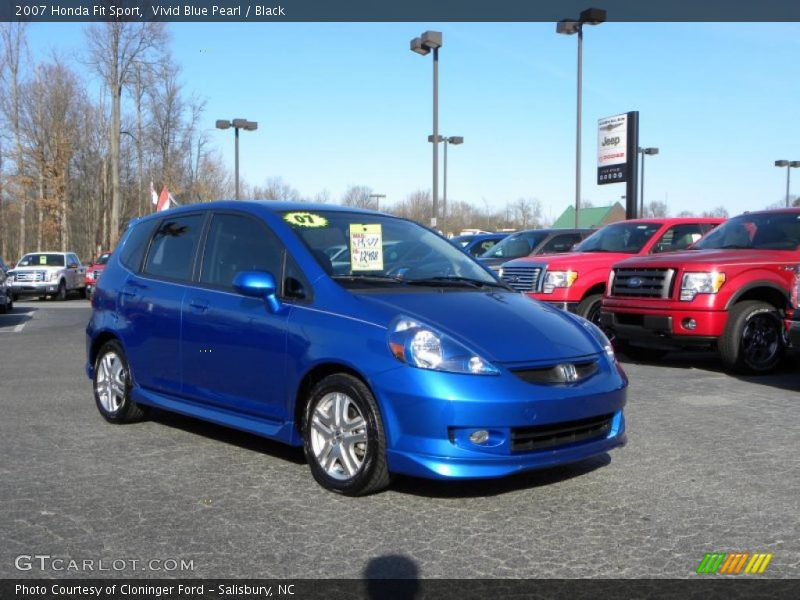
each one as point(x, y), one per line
point(54, 276)
point(558, 279)
point(700, 283)
point(421, 346)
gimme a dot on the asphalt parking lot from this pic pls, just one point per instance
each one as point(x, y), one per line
point(711, 464)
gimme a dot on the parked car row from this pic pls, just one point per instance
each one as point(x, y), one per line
point(658, 285)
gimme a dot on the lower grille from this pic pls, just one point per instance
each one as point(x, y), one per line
point(562, 373)
point(642, 283)
point(544, 437)
point(522, 279)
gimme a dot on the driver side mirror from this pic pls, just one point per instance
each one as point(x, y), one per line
point(258, 284)
point(72, 265)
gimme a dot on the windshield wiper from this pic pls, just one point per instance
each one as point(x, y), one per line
point(371, 278)
point(733, 247)
point(453, 280)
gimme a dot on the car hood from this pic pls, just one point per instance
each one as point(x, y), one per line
point(571, 260)
point(501, 326)
point(714, 258)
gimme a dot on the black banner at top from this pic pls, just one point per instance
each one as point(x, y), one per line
point(397, 10)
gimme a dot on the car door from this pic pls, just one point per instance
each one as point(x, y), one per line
point(149, 302)
point(678, 237)
point(75, 278)
point(233, 347)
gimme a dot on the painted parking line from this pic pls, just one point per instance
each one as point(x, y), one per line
point(11, 318)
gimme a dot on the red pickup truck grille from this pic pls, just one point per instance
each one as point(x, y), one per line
point(642, 283)
point(522, 279)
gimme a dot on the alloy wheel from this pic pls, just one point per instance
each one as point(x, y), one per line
point(339, 436)
point(110, 382)
point(761, 339)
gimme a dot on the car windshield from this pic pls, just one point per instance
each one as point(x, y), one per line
point(103, 258)
point(626, 238)
point(383, 250)
point(41, 260)
point(758, 231)
point(516, 245)
point(462, 240)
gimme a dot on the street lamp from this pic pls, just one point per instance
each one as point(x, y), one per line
point(643, 152)
point(789, 164)
point(590, 16)
point(455, 140)
point(377, 200)
point(237, 124)
point(422, 45)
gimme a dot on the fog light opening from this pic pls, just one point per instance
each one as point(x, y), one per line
point(479, 437)
point(689, 323)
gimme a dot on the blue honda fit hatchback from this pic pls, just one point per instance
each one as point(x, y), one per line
point(405, 356)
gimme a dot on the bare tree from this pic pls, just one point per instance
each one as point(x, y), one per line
point(527, 213)
point(115, 48)
point(275, 188)
point(323, 197)
point(358, 196)
point(686, 213)
point(719, 211)
point(655, 209)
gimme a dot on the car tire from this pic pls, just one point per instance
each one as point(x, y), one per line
point(83, 293)
point(753, 338)
point(61, 294)
point(343, 437)
point(589, 308)
point(112, 385)
point(7, 306)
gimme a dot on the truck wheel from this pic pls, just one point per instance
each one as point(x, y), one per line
point(343, 435)
point(112, 385)
point(84, 293)
point(753, 338)
point(589, 308)
point(61, 294)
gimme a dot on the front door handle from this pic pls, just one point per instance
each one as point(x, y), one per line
point(199, 305)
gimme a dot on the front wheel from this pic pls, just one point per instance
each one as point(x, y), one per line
point(112, 385)
point(753, 338)
point(343, 435)
point(61, 294)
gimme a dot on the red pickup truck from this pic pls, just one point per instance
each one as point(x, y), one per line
point(577, 280)
point(735, 290)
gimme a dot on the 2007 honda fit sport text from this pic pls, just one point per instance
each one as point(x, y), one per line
point(400, 355)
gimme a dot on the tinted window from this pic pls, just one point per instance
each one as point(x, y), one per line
point(758, 231)
point(628, 238)
point(236, 243)
point(173, 248)
point(561, 243)
point(678, 237)
point(516, 245)
point(135, 245)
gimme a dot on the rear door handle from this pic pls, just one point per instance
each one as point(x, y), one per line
point(199, 305)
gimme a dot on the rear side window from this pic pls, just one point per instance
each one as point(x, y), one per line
point(678, 237)
point(173, 248)
point(236, 243)
point(135, 245)
point(561, 243)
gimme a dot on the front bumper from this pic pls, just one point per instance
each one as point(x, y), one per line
point(34, 288)
point(429, 416)
point(665, 328)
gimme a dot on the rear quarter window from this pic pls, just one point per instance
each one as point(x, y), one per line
point(135, 245)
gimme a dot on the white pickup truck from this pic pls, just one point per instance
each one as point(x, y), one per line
point(44, 274)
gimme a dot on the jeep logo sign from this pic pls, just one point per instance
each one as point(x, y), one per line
point(613, 164)
point(610, 141)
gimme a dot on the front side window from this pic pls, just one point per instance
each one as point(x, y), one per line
point(626, 238)
point(173, 248)
point(678, 237)
point(236, 243)
point(384, 250)
point(516, 245)
point(758, 231)
point(561, 243)
point(42, 260)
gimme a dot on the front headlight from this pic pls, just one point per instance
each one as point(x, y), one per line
point(54, 276)
point(601, 337)
point(424, 347)
point(558, 279)
point(700, 283)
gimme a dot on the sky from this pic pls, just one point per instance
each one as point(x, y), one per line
point(341, 104)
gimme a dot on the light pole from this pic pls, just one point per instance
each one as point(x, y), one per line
point(789, 164)
point(377, 200)
point(456, 140)
point(237, 124)
point(591, 16)
point(422, 45)
point(644, 152)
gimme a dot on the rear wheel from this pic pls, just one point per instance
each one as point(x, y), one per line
point(343, 437)
point(753, 338)
point(112, 385)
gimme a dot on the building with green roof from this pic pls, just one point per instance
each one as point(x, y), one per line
point(594, 217)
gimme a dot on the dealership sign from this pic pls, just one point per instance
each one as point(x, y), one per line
point(612, 149)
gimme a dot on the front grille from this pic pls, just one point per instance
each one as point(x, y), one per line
point(559, 373)
point(522, 279)
point(642, 283)
point(27, 276)
point(543, 437)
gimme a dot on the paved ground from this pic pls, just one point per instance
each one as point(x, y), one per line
point(711, 465)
